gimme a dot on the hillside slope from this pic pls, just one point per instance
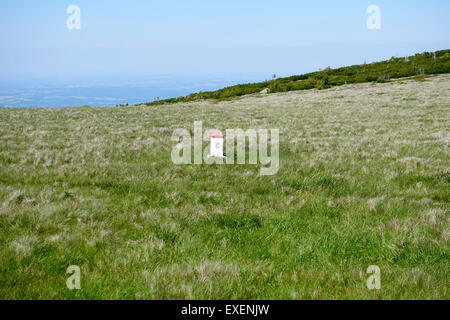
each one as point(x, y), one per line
point(421, 64)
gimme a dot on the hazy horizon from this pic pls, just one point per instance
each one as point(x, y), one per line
point(137, 43)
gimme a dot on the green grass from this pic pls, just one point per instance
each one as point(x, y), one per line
point(418, 67)
point(363, 180)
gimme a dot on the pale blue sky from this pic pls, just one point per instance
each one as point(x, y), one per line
point(248, 39)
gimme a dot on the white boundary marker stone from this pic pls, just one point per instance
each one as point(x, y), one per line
point(216, 146)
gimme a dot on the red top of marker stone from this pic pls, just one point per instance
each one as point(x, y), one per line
point(217, 136)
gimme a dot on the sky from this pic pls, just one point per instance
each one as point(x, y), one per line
point(235, 39)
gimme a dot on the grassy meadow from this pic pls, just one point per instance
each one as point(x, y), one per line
point(363, 180)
